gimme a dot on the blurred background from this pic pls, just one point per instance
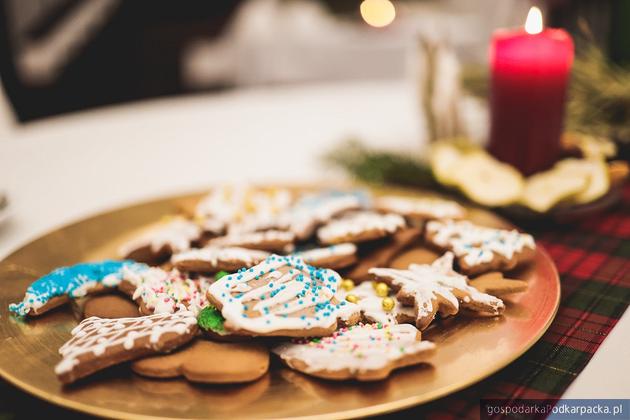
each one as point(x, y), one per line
point(60, 56)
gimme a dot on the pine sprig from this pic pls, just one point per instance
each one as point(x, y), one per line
point(381, 167)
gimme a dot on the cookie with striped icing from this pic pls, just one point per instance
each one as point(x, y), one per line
point(211, 259)
point(98, 343)
point(281, 296)
point(367, 352)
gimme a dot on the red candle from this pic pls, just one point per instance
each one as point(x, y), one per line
point(530, 71)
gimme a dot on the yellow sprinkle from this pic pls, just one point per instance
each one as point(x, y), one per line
point(352, 298)
point(381, 289)
point(347, 284)
point(388, 304)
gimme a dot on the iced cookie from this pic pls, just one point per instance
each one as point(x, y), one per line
point(364, 352)
point(437, 288)
point(269, 240)
point(360, 227)
point(495, 284)
point(211, 259)
point(160, 242)
point(243, 208)
point(377, 303)
point(382, 254)
point(161, 291)
point(313, 210)
point(65, 283)
point(110, 306)
point(98, 343)
point(425, 208)
point(481, 249)
point(282, 296)
point(208, 362)
point(333, 257)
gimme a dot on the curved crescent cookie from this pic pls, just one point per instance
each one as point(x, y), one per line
point(364, 352)
point(98, 343)
point(282, 296)
point(71, 282)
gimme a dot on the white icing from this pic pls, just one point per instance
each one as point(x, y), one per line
point(428, 207)
point(312, 256)
point(314, 209)
point(371, 304)
point(477, 244)
point(254, 239)
point(177, 234)
point(285, 285)
point(95, 335)
point(441, 271)
point(354, 224)
point(214, 255)
point(170, 291)
point(358, 348)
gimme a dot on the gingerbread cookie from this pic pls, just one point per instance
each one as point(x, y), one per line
point(363, 352)
point(333, 257)
point(211, 259)
point(437, 288)
point(480, 249)
point(65, 283)
point(243, 208)
point(425, 208)
point(312, 210)
point(160, 291)
point(383, 253)
point(208, 362)
point(377, 303)
point(360, 227)
point(269, 240)
point(282, 296)
point(160, 242)
point(495, 284)
point(98, 343)
point(109, 306)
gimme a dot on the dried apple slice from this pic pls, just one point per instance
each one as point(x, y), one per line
point(546, 189)
point(595, 170)
point(487, 181)
point(443, 157)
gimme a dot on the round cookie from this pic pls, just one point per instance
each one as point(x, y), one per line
point(211, 259)
point(420, 208)
point(269, 240)
point(209, 362)
point(333, 257)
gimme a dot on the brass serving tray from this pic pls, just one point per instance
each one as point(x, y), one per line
point(468, 349)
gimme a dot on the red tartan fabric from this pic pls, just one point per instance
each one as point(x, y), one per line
point(593, 259)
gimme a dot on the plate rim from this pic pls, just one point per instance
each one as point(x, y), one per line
point(383, 408)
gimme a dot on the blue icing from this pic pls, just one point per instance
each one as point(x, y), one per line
point(70, 281)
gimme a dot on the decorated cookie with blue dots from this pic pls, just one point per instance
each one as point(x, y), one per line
point(65, 283)
point(282, 296)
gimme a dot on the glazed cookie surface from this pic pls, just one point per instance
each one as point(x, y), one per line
point(282, 296)
point(269, 240)
point(211, 259)
point(334, 256)
point(364, 352)
point(360, 227)
point(98, 343)
point(420, 208)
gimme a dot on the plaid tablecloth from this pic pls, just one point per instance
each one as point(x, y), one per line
point(593, 258)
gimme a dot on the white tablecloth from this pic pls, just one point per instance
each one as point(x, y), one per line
point(65, 168)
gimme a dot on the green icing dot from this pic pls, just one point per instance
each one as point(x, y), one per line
point(211, 319)
point(221, 274)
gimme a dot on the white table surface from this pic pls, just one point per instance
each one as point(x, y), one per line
point(65, 168)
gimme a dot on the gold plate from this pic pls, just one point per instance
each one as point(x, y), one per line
point(468, 349)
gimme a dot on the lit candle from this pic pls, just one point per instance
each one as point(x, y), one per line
point(530, 72)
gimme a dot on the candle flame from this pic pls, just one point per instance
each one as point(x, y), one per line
point(378, 13)
point(534, 22)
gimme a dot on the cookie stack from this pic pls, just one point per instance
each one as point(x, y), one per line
point(308, 278)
